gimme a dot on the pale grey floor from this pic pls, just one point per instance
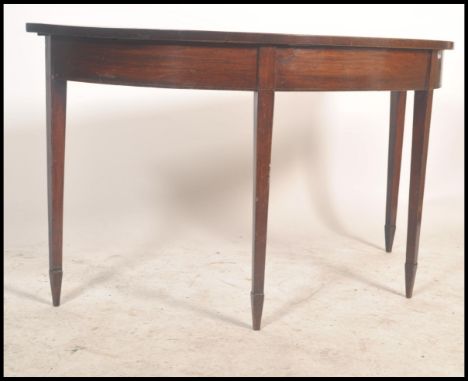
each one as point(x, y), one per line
point(157, 245)
point(179, 306)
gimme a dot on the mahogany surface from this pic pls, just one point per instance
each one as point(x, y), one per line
point(240, 38)
point(260, 62)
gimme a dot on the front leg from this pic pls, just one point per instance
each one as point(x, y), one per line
point(264, 100)
point(263, 111)
point(421, 124)
point(56, 96)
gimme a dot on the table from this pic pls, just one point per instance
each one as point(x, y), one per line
point(258, 62)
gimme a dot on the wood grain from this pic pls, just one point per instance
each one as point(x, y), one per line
point(149, 64)
point(325, 69)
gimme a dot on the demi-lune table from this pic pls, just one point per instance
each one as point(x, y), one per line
point(258, 62)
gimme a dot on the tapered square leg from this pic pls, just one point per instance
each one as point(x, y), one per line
point(263, 120)
point(420, 142)
point(397, 123)
point(264, 101)
point(56, 93)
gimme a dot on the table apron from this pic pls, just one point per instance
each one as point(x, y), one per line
point(327, 69)
point(226, 67)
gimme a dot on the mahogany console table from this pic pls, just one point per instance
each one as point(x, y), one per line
point(258, 62)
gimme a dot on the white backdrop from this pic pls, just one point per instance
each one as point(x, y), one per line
point(158, 214)
point(137, 149)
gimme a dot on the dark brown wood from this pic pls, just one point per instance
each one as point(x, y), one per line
point(263, 110)
point(140, 63)
point(421, 124)
point(56, 97)
point(212, 37)
point(395, 145)
point(327, 69)
point(263, 63)
point(435, 72)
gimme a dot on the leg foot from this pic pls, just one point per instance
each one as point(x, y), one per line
point(55, 276)
point(410, 275)
point(389, 236)
point(256, 300)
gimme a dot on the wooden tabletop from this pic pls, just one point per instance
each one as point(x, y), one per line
point(234, 38)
